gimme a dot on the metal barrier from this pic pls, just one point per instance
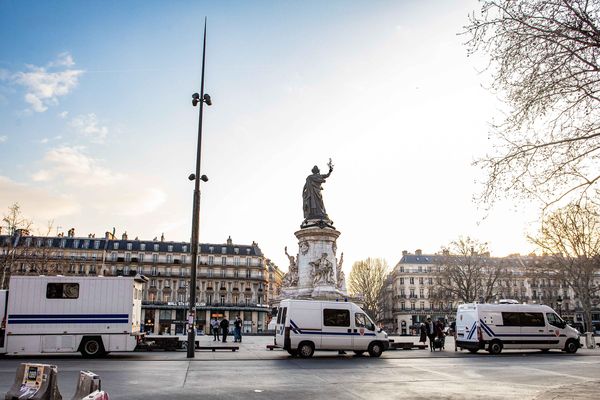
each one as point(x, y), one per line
point(35, 382)
point(39, 382)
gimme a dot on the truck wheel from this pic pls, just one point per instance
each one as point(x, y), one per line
point(306, 349)
point(571, 346)
point(495, 347)
point(92, 347)
point(375, 349)
point(473, 351)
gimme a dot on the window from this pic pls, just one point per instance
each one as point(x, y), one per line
point(333, 317)
point(223, 250)
point(211, 260)
point(402, 306)
point(421, 294)
point(116, 245)
point(412, 281)
point(62, 291)
point(412, 292)
point(184, 248)
point(127, 257)
point(555, 320)
point(141, 257)
point(236, 261)
point(113, 256)
point(422, 305)
point(210, 272)
point(183, 260)
point(155, 258)
point(96, 244)
point(431, 281)
point(248, 273)
point(222, 273)
point(402, 281)
point(156, 247)
point(63, 242)
point(510, 319)
point(143, 246)
point(420, 268)
point(223, 260)
point(532, 319)
point(169, 258)
point(129, 246)
point(247, 262)
point(402, 269)
point(420, 281)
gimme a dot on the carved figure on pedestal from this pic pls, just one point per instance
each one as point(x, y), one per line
point(340, 273)
point(291, 278)
point(322, 271)
point(304, 247)
point(312, 199)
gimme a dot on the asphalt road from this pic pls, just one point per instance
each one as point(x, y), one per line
point(254, 372)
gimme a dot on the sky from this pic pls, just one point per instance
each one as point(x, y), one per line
point(97, 130)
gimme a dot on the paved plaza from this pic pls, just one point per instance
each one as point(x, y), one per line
point(254, 372)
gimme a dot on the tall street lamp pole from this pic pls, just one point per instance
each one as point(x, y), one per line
point(196, 98)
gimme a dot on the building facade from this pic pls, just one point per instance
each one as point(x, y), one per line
point(408, 295)
point(232, 279)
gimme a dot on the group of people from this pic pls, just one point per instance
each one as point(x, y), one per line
point(432, 330)
point(221, 328)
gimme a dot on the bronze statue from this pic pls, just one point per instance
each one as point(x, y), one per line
point(313, 205)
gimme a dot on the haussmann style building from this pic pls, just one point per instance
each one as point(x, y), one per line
point(232, 279)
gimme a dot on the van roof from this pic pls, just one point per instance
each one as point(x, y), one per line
point(505, 307)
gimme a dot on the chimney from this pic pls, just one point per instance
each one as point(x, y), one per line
point(71, 232)
point(124, 236)
point(446, 252)
point(404, 252)
point(162, 237)
point(418, 252)
point(229, 241)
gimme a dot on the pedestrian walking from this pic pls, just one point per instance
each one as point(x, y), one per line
point(237, 329)
point(431, 332)
point(214, 326)
point(224, 328)
point(423, 333)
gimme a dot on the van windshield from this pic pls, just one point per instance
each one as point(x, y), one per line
point(555, 320)
point(362, 321)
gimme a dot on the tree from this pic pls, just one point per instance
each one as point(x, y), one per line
point(15, 225)
point(367, 278)
point(570, 237)
point(465, 272)
point(544, 62)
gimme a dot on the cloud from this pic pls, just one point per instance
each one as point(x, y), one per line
point(73, 167)
point(89, 126)
point(63, 114)
point(3, 138)
point(36, 202)
point(43, 86)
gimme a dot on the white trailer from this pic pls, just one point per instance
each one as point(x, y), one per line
point(67, 314)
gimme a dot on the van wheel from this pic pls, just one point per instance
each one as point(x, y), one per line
point(571, 346)
point(92, 347)
point(306, 349)
point(375, 349)
point(495, 347)
point(359, 352)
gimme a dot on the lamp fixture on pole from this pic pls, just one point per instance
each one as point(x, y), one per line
point(196, 99)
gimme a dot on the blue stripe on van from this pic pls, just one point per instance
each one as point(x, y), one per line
point(52, 316)
point(487, 329)
point(472, 331)
point(68, 318)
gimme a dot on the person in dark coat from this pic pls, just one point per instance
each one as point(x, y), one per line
point(431, 332)
point(224, 328)
point(423, 333)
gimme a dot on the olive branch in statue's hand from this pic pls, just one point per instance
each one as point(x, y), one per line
point(330, 165)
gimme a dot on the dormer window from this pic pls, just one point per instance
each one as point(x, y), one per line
point(129, 246)
point(155, 247)
point(116, 245)
point(75, 244)
point(142, 246)
point(223, 250)
point(169, 248)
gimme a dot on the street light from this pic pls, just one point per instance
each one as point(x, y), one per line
point(196, 98)
point(559, 301)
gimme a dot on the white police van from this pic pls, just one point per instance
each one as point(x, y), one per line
point(304, 326)
point(513, 326)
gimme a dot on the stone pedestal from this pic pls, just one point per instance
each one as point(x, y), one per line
point(317, 265)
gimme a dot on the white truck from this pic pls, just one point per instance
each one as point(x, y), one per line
point(304, 326)
point(67, 314)
point(513, 326)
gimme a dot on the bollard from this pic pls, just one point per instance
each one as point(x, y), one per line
point(35, 382)
point(590, 341)
point(87, 384)
point(96, 395)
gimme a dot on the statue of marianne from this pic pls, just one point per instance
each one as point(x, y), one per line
point(311, 194)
